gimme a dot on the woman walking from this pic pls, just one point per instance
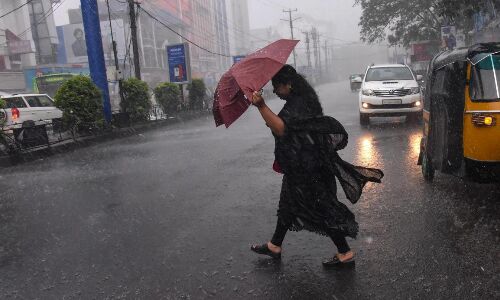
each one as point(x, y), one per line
point(306, 145)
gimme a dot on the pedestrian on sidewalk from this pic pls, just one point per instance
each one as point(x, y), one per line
point(306, 145)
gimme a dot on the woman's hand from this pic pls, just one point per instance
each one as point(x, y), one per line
point(272, 120)
point(257, 99)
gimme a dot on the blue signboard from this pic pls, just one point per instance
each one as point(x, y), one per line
point(238, 58)
point(178, 63)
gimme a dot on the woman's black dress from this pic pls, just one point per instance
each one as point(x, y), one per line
point(307, 155)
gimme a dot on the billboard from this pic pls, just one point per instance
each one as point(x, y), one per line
point(448, 37)
point(75, 45)
point(179, 68)
point(423, 51)
point(20, 47)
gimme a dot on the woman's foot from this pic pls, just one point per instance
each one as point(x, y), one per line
point(267, 249)
point(340, 260)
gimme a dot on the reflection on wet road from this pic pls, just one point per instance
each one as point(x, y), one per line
point(171, 214)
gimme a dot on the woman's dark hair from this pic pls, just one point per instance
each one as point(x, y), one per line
point(300, 88)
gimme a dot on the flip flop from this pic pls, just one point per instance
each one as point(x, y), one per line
point(335, 262)
point(264, 250)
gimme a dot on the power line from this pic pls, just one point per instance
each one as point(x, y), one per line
point(233, 26)
point(48, 14)
point(204, 37)
point(17, 8)
point(181, 36)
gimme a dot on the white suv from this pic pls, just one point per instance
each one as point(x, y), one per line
point(390, 90)
point(27, 116)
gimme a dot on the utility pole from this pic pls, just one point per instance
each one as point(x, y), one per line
point(332, 60)
point(36, 37)
point(115, 54)
point(315, 47)
point(133, 33)
point(326, 58)
point(319, 55)
point(308, 50)
point(291, 31)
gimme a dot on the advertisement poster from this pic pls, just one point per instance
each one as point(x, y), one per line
point(76, 47)
point(448, 37)
point(178, 63)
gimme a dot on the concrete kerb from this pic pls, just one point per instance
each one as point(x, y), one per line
point(116, 133)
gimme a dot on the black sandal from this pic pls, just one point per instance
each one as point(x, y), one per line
point(263, 249)
point(335, 262)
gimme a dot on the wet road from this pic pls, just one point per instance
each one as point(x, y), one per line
point(170, 214)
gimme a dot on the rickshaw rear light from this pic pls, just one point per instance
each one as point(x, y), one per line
point(483, 120)
point(488, 121)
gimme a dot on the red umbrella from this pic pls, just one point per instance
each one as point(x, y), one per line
point(237, 85)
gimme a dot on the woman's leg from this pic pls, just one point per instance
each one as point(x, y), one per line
point(279, 233)
point(344, 257)
point(273, 248)
point(340, 241)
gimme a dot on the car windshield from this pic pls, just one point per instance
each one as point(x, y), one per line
point(485, 79)
point(389, 73)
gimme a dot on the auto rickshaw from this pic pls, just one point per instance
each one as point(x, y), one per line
point(461, 134)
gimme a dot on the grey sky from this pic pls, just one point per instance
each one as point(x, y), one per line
point(264, 13)
point(341, 13)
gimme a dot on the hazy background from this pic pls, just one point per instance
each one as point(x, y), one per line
point(340, 13)
point(264, 13)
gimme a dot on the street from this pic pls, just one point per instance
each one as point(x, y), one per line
point(171, 214)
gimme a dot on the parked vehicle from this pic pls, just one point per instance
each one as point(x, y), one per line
point(390, 90)
point(461, 114)
point(50, 83)
point(355, 81)
point(27, 117)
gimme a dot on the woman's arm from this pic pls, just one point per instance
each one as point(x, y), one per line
point(272, 120)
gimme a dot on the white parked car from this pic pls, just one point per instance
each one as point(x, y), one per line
point(27, 116)
point(390, 90)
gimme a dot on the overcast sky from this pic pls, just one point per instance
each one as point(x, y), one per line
point(341, 13)
point(264, 13)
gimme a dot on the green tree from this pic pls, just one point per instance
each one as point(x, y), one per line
point(3, 119)
point(197, 93)
point(81, 103)
point(408, 21)
point(136, 99)
point(168, 96)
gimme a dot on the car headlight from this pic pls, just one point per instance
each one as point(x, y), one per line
point(415, 90)
point(367, 92)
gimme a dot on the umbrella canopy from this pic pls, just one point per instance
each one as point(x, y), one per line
point(237, 85)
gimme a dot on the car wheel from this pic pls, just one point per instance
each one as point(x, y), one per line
point(364, 119)
point(427, 169)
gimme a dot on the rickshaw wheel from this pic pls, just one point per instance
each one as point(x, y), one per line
point(428, 170)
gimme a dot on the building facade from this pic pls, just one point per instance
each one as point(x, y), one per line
point(239, 24)
point(202, 22)
point(27, 35)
